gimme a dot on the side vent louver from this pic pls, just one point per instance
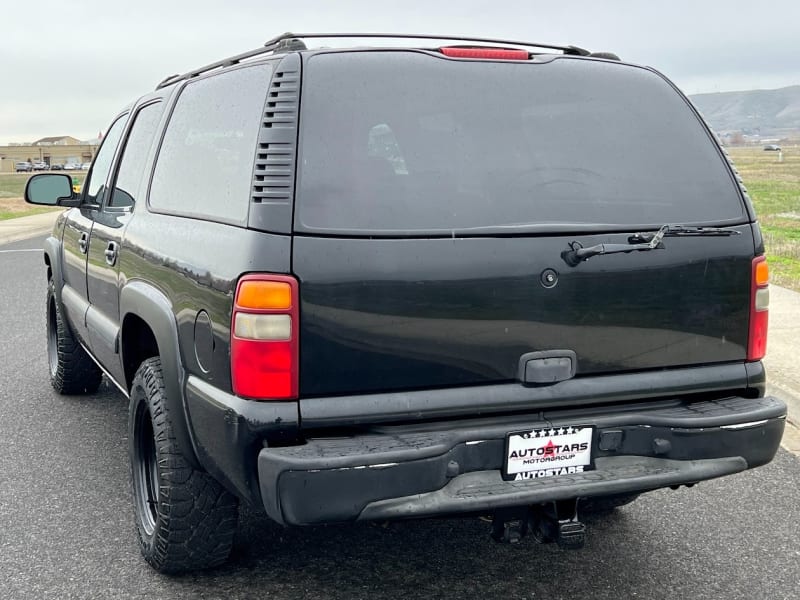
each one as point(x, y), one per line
point(273, 175)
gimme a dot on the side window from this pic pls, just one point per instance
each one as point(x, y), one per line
point(96, 186)
point(205, 164)
point(134, 155)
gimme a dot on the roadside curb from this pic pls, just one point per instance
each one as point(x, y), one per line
point(791, 438)
point(21, 228)
point(791, 434)
point(782, 377)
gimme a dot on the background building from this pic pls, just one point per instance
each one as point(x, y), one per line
point(58, 150)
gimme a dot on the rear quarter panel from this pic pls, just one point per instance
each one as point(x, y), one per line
point(196, 265)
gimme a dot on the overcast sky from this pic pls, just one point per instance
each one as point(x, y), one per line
point(67, 66)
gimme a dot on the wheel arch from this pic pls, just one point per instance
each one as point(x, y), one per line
point(52, 258)
point(148, 328)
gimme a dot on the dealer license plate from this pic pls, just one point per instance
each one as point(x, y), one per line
point(548, 452)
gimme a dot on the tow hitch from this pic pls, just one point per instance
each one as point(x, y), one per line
point(551, 522)
point(510, 525)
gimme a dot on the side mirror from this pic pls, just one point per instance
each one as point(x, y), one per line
point(50, 189)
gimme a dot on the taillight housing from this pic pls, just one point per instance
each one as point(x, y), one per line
point(264, 337)
point(759, 309)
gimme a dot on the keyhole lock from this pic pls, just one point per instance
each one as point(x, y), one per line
point(549, 278)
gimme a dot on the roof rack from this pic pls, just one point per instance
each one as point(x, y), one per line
point(227, 62)
point(421, 36)
point(293, 41)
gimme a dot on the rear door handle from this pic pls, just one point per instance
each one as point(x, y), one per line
point(83, 242)
point(111, 253)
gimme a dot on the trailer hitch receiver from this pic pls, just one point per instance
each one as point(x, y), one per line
point(551, 522)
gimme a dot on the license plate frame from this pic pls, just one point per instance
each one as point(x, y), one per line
point(549, 452)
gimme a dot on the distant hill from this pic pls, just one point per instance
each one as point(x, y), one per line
point(762, 112)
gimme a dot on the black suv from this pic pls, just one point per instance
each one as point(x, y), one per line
point(339, 284)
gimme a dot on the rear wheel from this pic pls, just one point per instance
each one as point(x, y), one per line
point(72, 371)
point(185, 519)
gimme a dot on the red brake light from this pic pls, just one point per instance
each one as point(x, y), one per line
point(496, 53)
point(264, 338)
point(759, 310)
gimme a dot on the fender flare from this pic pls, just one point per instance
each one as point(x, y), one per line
point(52, 251)
point(154, 308)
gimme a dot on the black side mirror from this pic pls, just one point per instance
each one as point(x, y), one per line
point(50, 189)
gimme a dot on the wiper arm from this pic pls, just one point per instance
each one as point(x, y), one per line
point(639, 242)
point(577, 253)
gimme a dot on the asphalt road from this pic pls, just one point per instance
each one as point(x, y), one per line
point(66, 528)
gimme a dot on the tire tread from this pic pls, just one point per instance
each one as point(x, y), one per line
point(197, 517)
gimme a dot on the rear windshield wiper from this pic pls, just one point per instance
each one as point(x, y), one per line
point(679, 230)
point(639, 242)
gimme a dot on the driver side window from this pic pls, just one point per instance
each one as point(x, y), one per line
point(96, 185)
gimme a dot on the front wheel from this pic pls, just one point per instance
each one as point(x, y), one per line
point(72, 371)
point(185, 519)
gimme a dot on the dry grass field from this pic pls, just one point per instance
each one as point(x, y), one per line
point(773, 182)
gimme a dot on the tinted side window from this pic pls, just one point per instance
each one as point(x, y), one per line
point(134, 155)
point(205, 164)
point(96, 186)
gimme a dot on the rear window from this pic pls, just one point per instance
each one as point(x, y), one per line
point(399, 142)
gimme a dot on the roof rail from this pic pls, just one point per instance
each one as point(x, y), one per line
point(285, 41)
point(293, 41)
point(574, 50)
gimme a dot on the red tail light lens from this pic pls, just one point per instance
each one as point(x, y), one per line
point(495, 53)
point(264, 338)
point(759, 309)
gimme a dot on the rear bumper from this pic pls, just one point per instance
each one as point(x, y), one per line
point(454, 467)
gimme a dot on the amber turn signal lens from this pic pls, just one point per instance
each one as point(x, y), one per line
point(762, 273)
point(264, 295)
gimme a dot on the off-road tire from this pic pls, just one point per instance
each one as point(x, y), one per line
point(605, 504)
point(185, 519)
point(72, 371)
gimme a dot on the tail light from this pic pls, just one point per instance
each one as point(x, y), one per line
point(492, 53)
point(264, 338)
point(759, 309)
